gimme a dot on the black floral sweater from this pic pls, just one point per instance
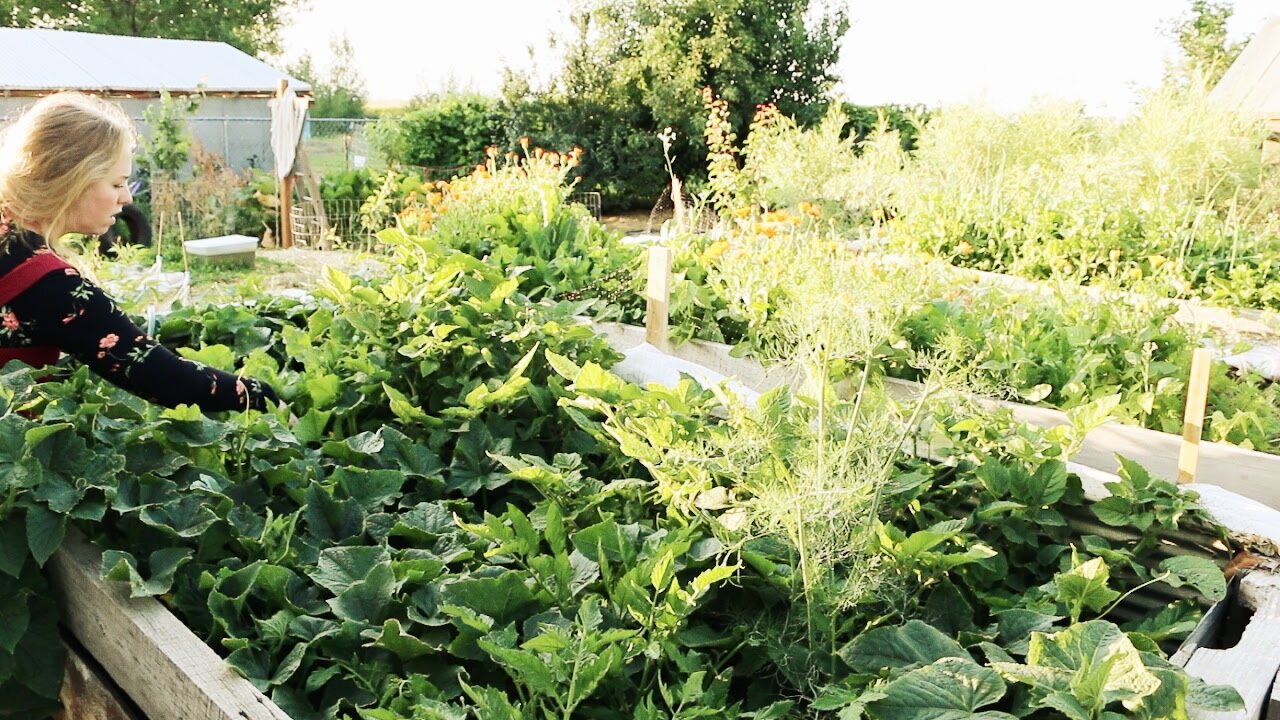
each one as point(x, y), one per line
point(66, 311)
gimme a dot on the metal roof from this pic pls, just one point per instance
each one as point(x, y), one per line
point(35, 60)
point(1252, 83)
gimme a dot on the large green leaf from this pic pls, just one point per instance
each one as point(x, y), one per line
point(424, 523)
point(405, 646)
point(1199, 572)
point(1016, 625)
point(929, 538)
point(17, 616)
point(504, 598)
point(368, 600)
point(915, 643)
point(373, 489)
point(950, 689)
point(45, 530)
point(341, 567)
point(1094, 663)
point(411, 458)
point(13, 544)
point(608, 541)
point(1085, 586)
point(187, 516)
point(164, 563)
point(329, 519)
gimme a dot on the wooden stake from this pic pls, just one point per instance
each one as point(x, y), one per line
point(658, 297)
point(1193, 418)
point(286, 187)
point(160, 235)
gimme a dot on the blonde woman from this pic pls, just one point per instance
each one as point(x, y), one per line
point(64, 168)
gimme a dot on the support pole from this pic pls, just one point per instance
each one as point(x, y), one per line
point(1193, 417)
point(286, 188)
point(658, 297)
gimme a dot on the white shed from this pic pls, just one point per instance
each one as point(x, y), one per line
point(233, 119)
point(1252, 83)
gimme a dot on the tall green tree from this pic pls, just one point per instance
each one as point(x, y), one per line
point(250, 25)
point(748, 51)
point(1202, 35)
point(339, 93)
point(636, 67)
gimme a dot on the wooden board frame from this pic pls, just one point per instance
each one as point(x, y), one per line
point(168, 672)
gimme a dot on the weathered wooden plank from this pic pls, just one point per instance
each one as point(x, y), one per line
point(1203, 635)
point(87, 694)
point(1250, 666)
point(155, 659)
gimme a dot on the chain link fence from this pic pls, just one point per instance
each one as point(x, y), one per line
point(338, 144)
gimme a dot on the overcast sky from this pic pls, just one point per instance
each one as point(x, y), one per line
point(905, 51)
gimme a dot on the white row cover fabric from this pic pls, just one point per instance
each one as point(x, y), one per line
point(288, 115)
point(1262, 359)
point(644, 364)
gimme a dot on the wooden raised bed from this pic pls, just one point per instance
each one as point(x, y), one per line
point(1238, 641)
point(168, 672)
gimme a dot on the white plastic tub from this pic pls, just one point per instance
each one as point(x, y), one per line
point(228, 249)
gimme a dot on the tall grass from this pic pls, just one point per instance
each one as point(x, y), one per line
point(1173, 200)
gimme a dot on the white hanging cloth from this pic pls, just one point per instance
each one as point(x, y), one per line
point(288, 115)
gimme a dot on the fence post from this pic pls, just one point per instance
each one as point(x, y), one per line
point(1193, 417)
point(658, 297)
point(286, 189)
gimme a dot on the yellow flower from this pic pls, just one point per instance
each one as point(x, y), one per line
point(713, 252)
point(964, 248)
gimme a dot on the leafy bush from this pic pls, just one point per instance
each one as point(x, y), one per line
point(441, 131)
point(622, 158)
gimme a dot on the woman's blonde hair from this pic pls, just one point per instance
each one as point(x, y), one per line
point(54, 151)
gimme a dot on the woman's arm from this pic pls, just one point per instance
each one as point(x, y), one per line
point(68, 311)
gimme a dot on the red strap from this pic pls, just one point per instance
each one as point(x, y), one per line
point(17, 280)
point(36, 357)
point(13, 284)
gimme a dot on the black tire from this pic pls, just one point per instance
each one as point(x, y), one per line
point(134, 222)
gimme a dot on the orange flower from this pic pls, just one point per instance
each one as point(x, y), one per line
point(524, 143)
